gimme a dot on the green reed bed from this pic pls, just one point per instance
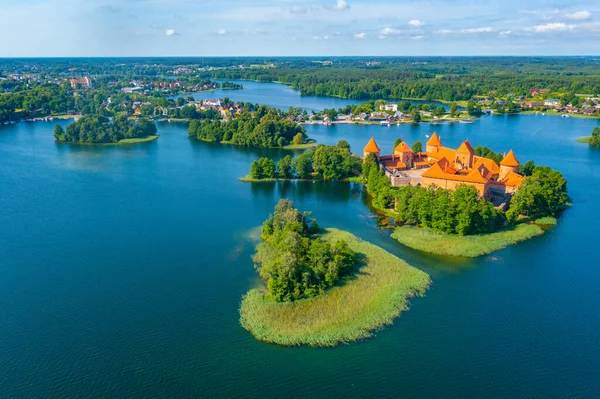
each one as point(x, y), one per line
point(427, 240)
point(365, 302)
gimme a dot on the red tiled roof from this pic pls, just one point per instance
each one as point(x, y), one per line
point(372, 146)
point(510, 160)
point(434, 141)
point(403, 147)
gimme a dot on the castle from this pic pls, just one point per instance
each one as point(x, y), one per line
point(448, 168)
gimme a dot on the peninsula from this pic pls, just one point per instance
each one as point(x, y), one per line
point(309, 272)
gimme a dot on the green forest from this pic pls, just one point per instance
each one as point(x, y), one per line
point(294, 262)
point(99, 129)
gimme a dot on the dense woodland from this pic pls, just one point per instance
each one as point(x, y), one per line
point(462, 212)
point(100, 129)
point(441, 78)
point(265, 127)
point(293, 261)
point(322, 162)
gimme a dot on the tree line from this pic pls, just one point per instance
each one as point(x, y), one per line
point(293, 261)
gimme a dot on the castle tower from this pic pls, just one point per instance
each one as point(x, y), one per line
point(405, 154)
point(372, 148)
point(433, 144)
point(464, 156)
point(509, 164)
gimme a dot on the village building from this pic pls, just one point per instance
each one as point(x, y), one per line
point(84, 83)
point(448, 168)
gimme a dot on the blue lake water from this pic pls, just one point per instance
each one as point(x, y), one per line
point(281, 96)
point(122, 269)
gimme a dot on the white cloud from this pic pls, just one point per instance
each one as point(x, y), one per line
point(553, 27)
point(472, 31)
point(321, 38)
point(220, 32)
point(342, 5)
point(579, 16)
point(443, 31)
point(504, 33)
point(419, 37)
point(360, 35)
point(415, 22)
point(170, 32)
point(390, 31)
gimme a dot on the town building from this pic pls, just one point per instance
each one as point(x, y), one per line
point(83, 83)
point(448, 168)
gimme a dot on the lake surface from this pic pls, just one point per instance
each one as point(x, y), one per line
point(122, 269)
point(281, 96)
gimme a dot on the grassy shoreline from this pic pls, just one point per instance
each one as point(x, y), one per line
point(585, 140)
point(554, 113)
point(353, 311)
point(432, 242)
point(120, 142)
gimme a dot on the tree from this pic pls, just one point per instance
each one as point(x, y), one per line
point(473, 109)
point(298, 139)
point(544, 193)
point(332, 162)
point(268, 168)
point(284, 167)
point(454, 110)
point(180, 101)
point(343, 144)
point(415, 116)
point(397, 142)
point(59, 133)
point(256, 170)
point(595, 140)
point(417, 146)
point(440, 111)
point(527, 168)
point(294, 262)
point(304, 164)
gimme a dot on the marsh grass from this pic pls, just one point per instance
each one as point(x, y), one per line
point(138, 140)
point(362, 304)
point(427, 240)
point(585, 140)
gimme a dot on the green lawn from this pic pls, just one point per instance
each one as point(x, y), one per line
point(585, 140)
point(364, 303)
point(427, 240)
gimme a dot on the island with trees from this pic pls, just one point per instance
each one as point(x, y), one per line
point(257, 126)
point(96, 129)
point(593, 140)
point(460, 222)
point(323, 162)
point(308, 272)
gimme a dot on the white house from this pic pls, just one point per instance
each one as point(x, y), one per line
point(552, 102)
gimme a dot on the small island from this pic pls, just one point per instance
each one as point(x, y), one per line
point(322, 162)
point(250, 125)
point(324, 287)
point(593, 140)
point(96, 129)
point(462, 202)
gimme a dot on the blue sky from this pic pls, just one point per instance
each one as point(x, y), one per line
point(298, 27)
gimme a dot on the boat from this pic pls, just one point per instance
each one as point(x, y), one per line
point(565, 116)
point(384, 123)
point(467, 121)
